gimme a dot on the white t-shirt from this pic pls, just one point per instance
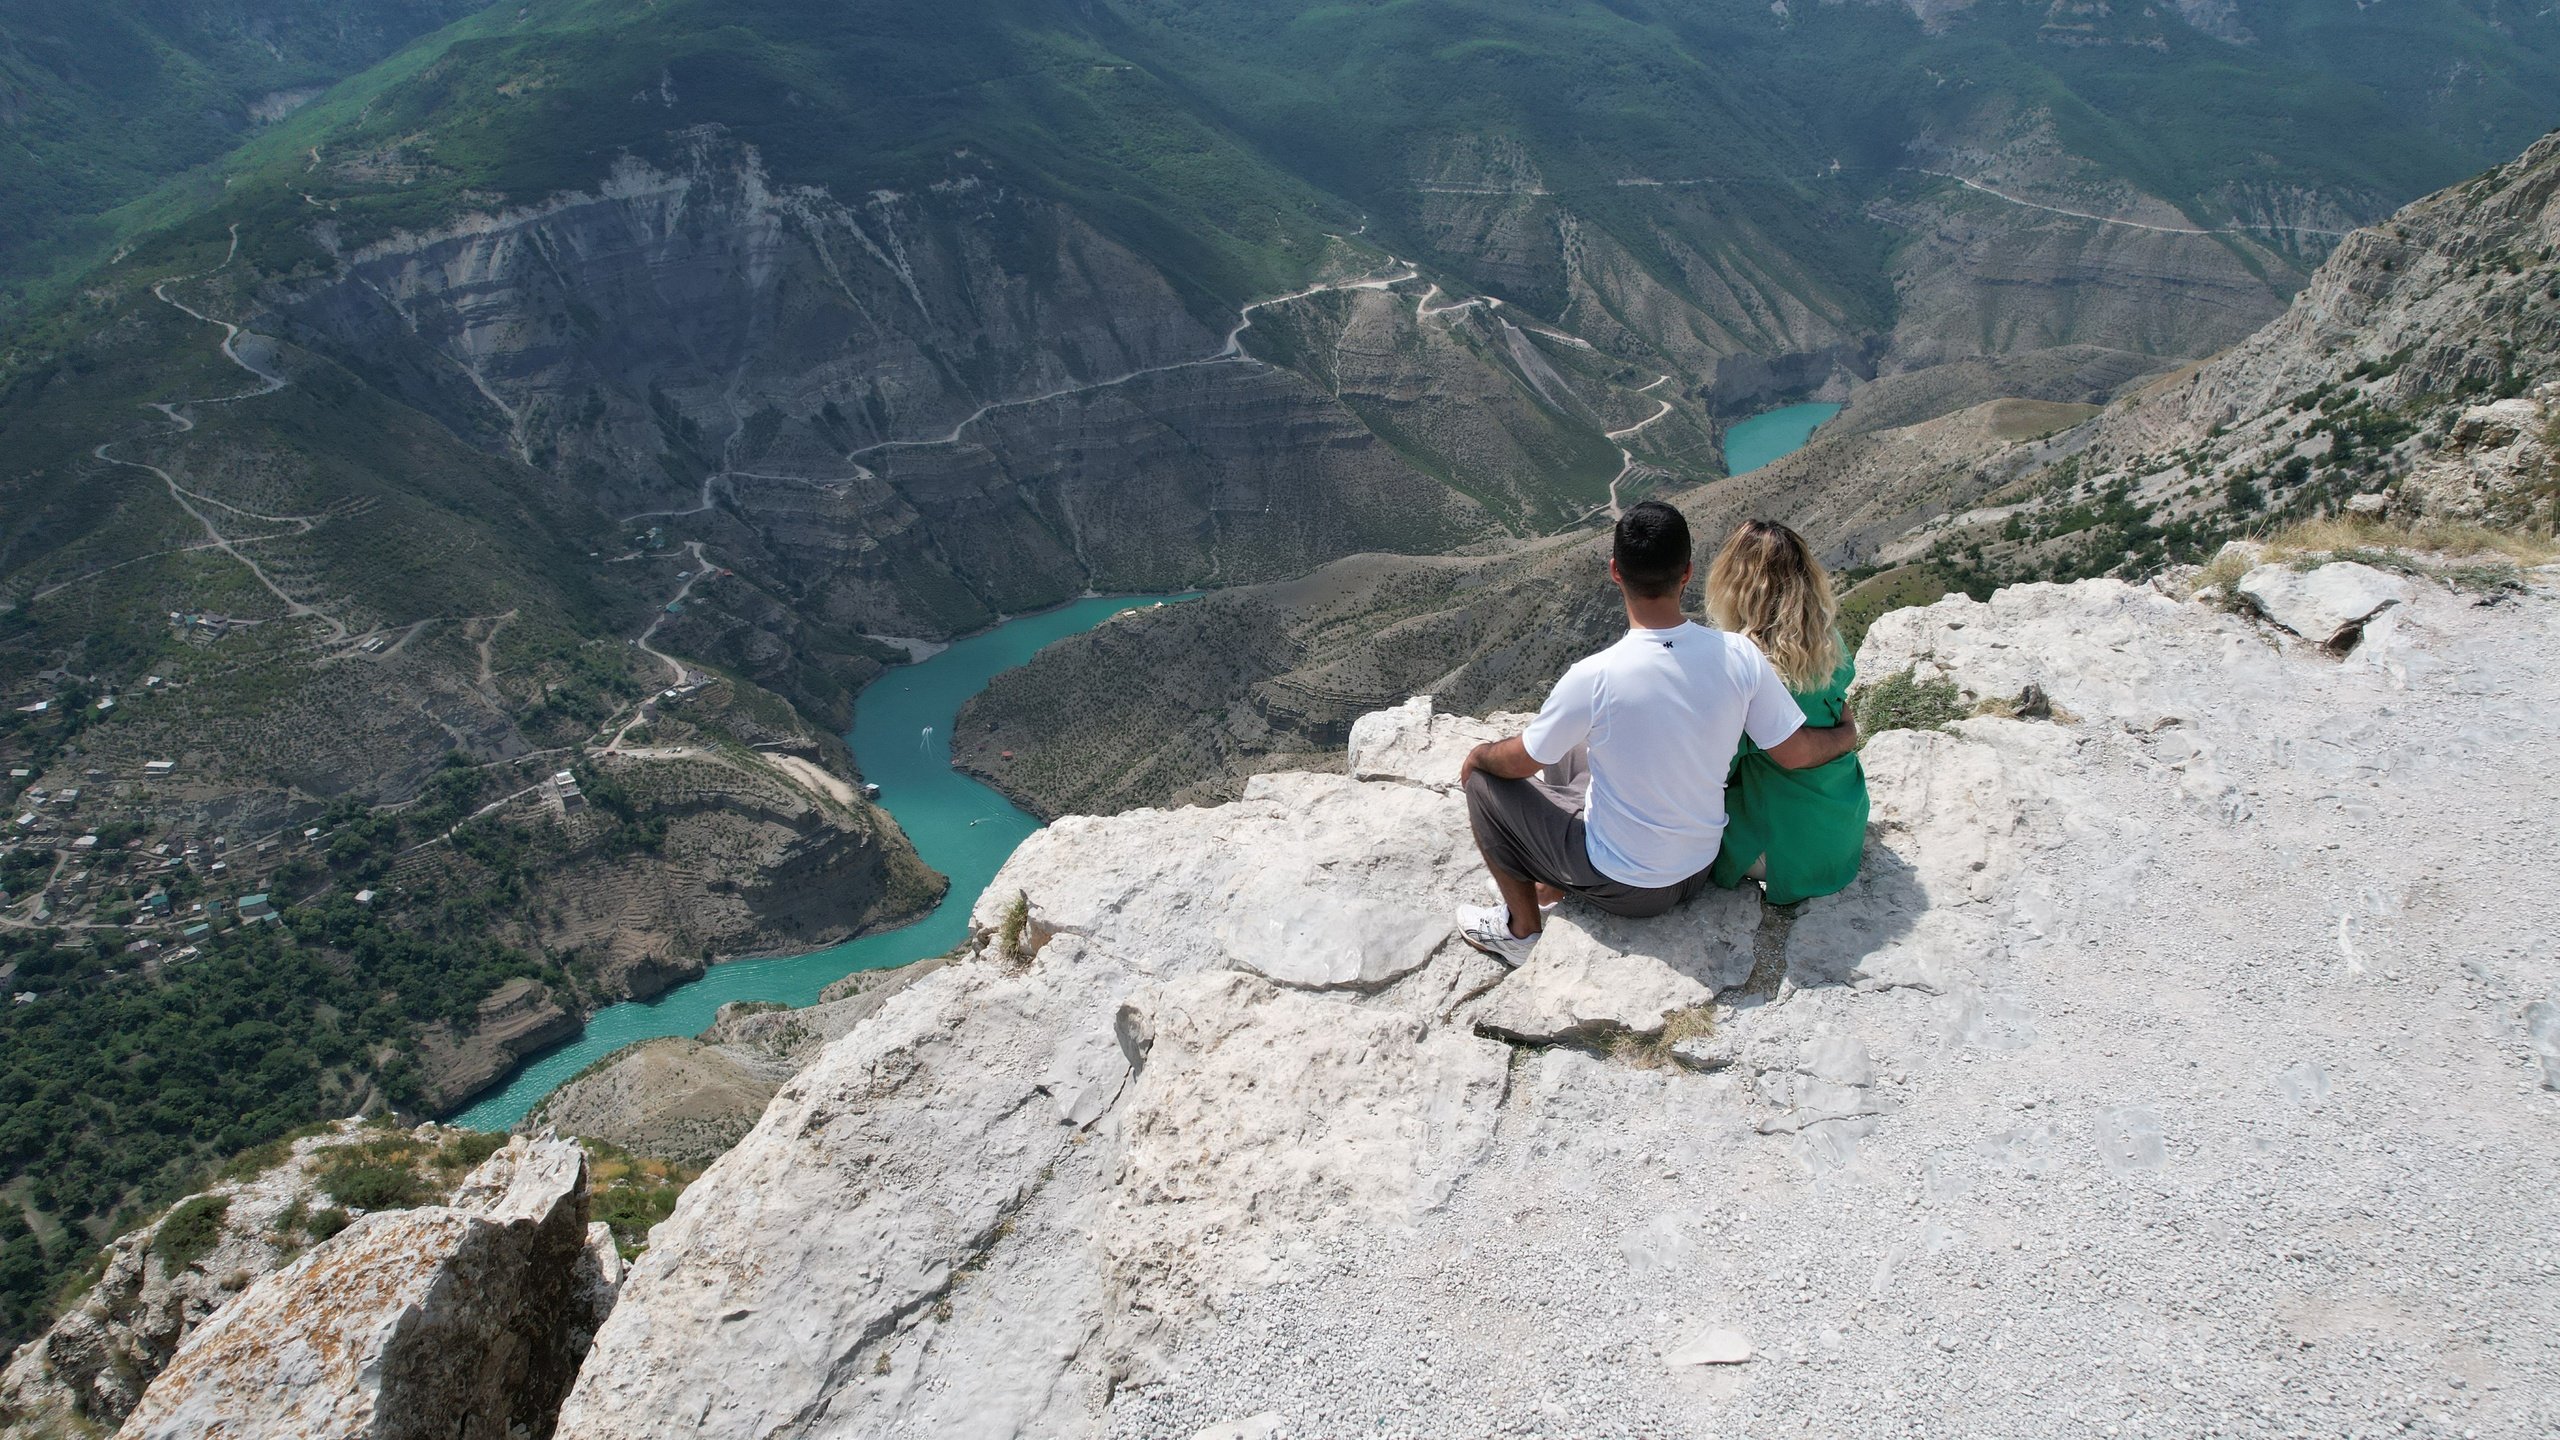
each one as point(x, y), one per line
point(1663, 712)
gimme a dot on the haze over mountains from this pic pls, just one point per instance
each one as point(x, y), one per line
point(370, 387)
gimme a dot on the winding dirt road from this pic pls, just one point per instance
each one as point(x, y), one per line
point(180, 423)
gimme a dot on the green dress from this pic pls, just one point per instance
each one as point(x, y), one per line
point(1811, 824)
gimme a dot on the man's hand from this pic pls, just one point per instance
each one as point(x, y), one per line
point(1810, 746)
point(1503, 759)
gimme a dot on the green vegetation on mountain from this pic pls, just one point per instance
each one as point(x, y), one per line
point(100, 103)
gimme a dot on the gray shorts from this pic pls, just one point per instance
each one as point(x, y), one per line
point(1533, 829)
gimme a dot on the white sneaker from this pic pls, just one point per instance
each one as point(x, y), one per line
point(1488, 928)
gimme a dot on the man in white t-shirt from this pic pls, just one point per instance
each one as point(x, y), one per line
point(1653, 721)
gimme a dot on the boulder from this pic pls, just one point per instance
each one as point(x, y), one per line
point(1413, 743)
point(468, 1318)
point(2327, 606)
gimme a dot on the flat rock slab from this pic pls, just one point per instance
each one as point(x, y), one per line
point(1719, 1346)
point(1595, 976)
point(1318, 881)
point(2324, 606)
point(1260, 1116)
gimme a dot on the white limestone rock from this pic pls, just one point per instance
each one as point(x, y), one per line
point(784, 1283)
point(1262, 1116)
point(1952, 819)
point(1721, 1345)
point(1596, 975)
point(1320, 881)
point(2110, 974)
point(463, 1318)
point(2326, 606)
point(1419, 745)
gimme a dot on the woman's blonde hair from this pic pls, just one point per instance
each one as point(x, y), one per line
point(1767, 586)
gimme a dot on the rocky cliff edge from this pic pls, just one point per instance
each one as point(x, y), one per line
point(2186, 1052)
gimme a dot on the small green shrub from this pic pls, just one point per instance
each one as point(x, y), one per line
point(1017, 919)
point(372, 1187)
point(464, 1151)
point(325, 1223)
point(1902, 701)
point(190, 1231)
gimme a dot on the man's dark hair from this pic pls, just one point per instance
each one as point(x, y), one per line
point(1651, 548)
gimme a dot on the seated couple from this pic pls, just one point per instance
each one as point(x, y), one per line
point(1680, 756)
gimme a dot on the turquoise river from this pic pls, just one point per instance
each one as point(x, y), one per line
point(902, 739)
point(1750, 444)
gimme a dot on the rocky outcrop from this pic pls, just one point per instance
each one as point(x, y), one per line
point(165, 1279)
point(742, 858)
point(1226, 1138)
point(466, 1318)
point(2499, 465)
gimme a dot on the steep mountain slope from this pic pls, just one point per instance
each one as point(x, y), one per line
point(2412, 378)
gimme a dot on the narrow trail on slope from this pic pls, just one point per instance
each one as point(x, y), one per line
point(496, 624)
point(1230, 353)
point(1626, 456)
point(1997, 194)
point(188, 500)
point(701, 568)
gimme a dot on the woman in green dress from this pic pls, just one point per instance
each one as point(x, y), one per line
point(1800, 833)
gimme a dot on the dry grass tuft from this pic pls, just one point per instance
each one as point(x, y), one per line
point(1653, 1052)
point(2438, 539)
